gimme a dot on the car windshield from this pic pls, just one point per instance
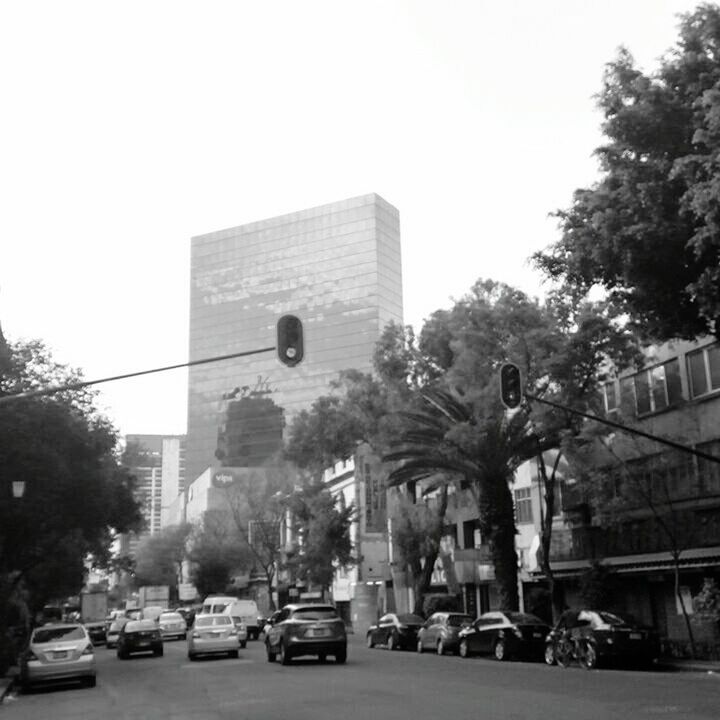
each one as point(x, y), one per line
point(173, 616)
point(139, 625)
point(115, 625)
point(58, 634)
point(523, 618)
point(459, 620)
point(209, 620)
point(320, 613)
point(411, 619)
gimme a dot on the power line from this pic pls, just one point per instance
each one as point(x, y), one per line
point(86, 383)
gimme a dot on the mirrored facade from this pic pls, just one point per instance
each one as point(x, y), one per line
point(337, 267)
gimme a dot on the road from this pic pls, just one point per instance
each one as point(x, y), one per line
point(374, 684)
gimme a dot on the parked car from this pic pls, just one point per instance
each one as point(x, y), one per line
point(61, 651)
point(172, 625)
point(505, 635)
point(307, 629)
point(211, 635)
point(269, 622)
point(138, 636)
point(441, 632)
point(96, 630)
point(113, 632)
point(395, 631)
point(608, 637)
point(242, 630)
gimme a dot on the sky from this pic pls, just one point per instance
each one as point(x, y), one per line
point(129, 127)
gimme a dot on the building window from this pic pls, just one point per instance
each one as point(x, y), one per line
point(610, 397)
point(658, 387)
point(704, 370)
point(523, 506)
point(471, 534)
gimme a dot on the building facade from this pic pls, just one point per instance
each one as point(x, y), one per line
point(337, 267)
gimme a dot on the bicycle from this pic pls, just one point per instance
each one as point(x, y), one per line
point(575, 648)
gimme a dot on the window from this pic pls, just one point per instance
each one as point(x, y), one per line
point(658, 387)
point(704, 370)
point(471, 534)
point(523, 506)
point(610, 397)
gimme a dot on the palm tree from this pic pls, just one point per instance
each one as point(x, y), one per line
point(470, 442)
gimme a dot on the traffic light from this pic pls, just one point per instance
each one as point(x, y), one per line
point(510, 386)
point(290, 340)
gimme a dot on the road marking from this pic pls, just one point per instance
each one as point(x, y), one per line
point(199, 663)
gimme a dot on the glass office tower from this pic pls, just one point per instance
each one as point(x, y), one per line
point(337, 267)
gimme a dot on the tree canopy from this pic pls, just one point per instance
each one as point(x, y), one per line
point(649, 231)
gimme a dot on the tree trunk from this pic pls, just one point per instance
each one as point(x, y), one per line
point(678, 595)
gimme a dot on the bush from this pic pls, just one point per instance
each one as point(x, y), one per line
point(441, 603)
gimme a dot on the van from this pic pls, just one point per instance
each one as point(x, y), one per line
point(245, 610)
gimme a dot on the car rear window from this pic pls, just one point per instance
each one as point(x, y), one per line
point(458, 620)
point(45, 635)
point(321, 613)
point(209, 620)
point(411, 619)
point(138, 625)
point(171, 616)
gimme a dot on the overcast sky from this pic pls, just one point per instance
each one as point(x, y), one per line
point(128, 127)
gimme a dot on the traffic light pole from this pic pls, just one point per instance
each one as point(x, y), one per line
point(620, 426)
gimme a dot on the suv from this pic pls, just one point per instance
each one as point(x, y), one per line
point(306, 629)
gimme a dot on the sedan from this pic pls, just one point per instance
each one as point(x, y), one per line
point(113, 632)
point(441, 632)
point(58, 652)
point(505, 635)
point(172, 625)
point(138, 636)
point(607, 638)
point(212, 635)
point(395, 631)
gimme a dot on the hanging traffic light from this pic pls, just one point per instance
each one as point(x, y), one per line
point(510, 386)
point(290, 340)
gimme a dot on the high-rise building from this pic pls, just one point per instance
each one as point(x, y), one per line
point(337, 267)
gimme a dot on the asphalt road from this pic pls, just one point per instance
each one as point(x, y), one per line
point(374, 684)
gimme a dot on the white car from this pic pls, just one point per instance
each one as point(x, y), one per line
point(58, 652)
point(212, 634)
point(172, 625)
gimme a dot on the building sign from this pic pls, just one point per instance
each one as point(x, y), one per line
point(186, 591)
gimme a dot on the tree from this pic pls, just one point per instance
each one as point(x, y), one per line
point(322, 524)
point(215, 551)
point(649, 231)
point(256, 508)
point(160, 557)
point(65, 451)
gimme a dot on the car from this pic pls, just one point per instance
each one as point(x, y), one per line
point(441, 632)
point(395, 631)
point(269, 622)
point(235, 607)
point(113, 632)
point(138, 636)
point(307, 629)
point(212, 634)
point(505, 635)
point(608, 637)
point(172, 625)
point(96, 630)
point(242, 630)
point(58, 651)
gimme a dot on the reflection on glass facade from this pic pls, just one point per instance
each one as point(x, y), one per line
point(337, 267)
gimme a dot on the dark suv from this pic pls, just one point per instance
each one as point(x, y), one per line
point(306, 629)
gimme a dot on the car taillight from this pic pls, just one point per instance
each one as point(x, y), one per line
point(89, 650)
point(196, 634)
point(233, 632)
point(517, 632)
point(30, 655)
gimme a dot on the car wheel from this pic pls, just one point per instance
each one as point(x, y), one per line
point(158, 652)
point(440, 647)
point(122, 654)
point(369, 641)
point(243, 644)
point(549, 654)
point(270, 654)
point(420, 647)
point(464, 649)
point(234, 654)
point(341, 656)
point(322, 657)
point(284, 655)
point(392, 642)
point(500, 650)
